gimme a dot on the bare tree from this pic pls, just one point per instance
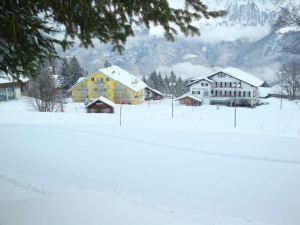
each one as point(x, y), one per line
point(42, 91)
point(289, 75)
point(290, 17)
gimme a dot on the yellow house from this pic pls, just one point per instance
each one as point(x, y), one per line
point(113, 83)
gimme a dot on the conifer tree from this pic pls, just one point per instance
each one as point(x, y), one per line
point(64, 75)
point(160, 83)
point(28, 28)
point(107, 64)
point(75, 71)
point(166, 85)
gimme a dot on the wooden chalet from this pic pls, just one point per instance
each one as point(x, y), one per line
point(152, 94)
point(189, 100)
point(101, 105)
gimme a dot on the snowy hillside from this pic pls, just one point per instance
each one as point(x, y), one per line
point(77, 168)
point(234, 40)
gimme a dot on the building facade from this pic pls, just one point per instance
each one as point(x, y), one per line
point(230, 86)
point(11, 89)
point(101, 105)
point(152, 94)
point(113, 83)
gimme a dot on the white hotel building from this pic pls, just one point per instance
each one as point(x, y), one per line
point(229, 86)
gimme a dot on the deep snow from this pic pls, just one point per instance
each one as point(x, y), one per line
point(78, 168)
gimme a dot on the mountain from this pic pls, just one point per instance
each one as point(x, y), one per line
point(245, 38)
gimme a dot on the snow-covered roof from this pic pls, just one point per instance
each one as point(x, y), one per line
point(197, 79)
point(80, 79)
point(102, 99)
point(7, 78)
point(122, 76)
point(118, 74)
point(264, 91)
point(156, 91)
point(274, 90)
point(243, 76)
point(190, 96)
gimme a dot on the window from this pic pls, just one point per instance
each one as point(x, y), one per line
point(249, 93)
point(93, 79)
point(107, 79)
point(230, 94)
point(10, 93)
point(240, 93)
point(212, 92)
point(2, 94)
point(244, 93)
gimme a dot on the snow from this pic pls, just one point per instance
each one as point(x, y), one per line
point(79, 168)
point(197, 79)
point(190, 96)
point(80, 79)
point(190, 56)
point(264, 91)
point(241, 75)
point(156, 91)
point(274, 90)
point(102, 99)
point(124, 77)
point(289, 29)
point(6, 78)
point(118, 74)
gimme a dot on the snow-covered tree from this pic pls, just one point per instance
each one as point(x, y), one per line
point(42, 91)
point(289, 75)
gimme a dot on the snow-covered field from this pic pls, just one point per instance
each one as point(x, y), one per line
point(78, 168)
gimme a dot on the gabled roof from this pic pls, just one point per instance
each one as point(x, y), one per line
point(197, 79)
point(7, 78)
point(154, 90)
point(118, 74)
point(122, 76)
point(241, 75)
point(189, 96)
point(102, 99)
